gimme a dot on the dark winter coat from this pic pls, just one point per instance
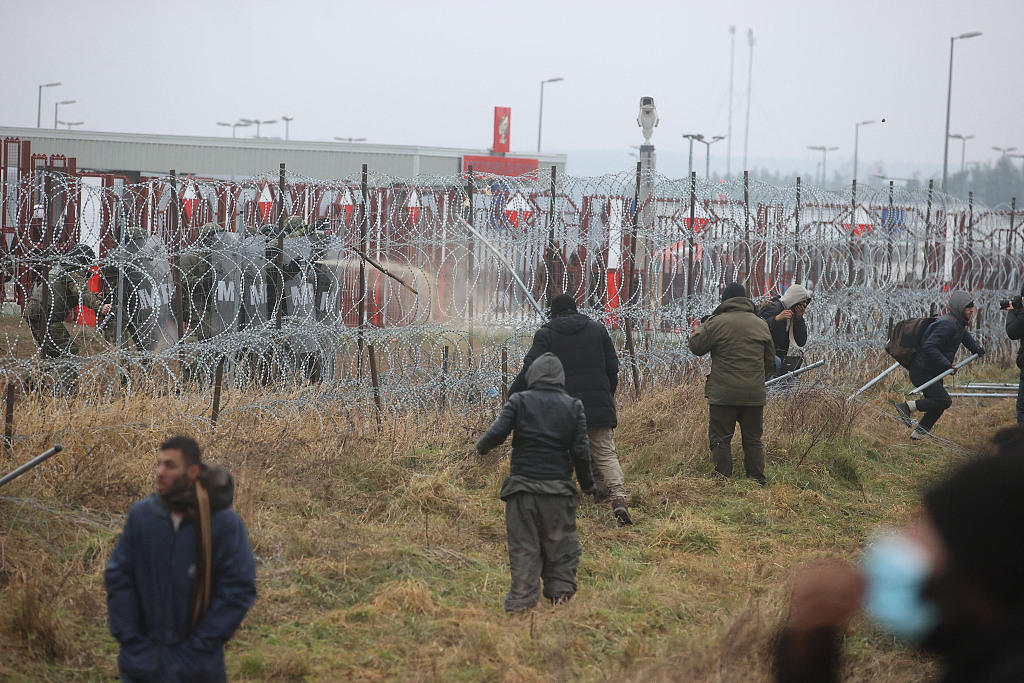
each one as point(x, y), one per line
point(1015, 331)
point(588, 357)
point(550, 428)
point(149, 583)
point(780, 328)
point(943, 338)
point(742, 354)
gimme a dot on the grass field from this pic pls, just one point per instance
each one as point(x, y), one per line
point(383, 558)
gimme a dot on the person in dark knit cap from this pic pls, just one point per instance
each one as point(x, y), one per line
point(742, 357)
point(950, 583)
point(591, 365)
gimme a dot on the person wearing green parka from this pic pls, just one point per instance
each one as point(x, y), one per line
point(742, 358)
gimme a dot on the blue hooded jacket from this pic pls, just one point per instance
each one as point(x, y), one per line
point(149, 583)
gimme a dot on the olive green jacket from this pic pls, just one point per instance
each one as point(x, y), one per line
point(742, 354)
point(66, 292)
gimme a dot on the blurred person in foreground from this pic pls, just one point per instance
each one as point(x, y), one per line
point(949, 583)
point(742, 358)
point(937, 353)
point(591, 366)
point(550, 441)
point(182, 576)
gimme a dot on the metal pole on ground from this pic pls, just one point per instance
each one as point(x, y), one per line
point(873, 382)
point(796, 372)
point(938, 378)
point(30, 464)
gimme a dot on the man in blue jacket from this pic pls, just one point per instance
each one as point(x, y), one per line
point(938, 349)
point(182, 575)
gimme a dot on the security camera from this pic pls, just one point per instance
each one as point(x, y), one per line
point(648, 118)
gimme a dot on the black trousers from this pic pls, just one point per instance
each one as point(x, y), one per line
point(721, 425)
point(935, 402)
point(542, 544)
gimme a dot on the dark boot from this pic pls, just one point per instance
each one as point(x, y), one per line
point(621, 512)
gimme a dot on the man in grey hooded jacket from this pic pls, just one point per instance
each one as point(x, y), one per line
point(785, 318)
point(540, 497)
point(936, 354)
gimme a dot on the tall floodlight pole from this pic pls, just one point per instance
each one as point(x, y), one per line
point(949, 102)
point(56, 106)
point(540, 115)
point(707, 153)
point(963, 147)
point(287, 120)
point(856, 143)
point(692, 137)
point(39, 107)
point(824, 159)
point(728, 133)
point(257, 123)
point(234, 126)
point(750, 72)
point(1004, 150)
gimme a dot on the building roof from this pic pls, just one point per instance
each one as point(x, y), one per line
point(225, 156)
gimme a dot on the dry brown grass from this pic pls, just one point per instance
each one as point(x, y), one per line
point(382, 557)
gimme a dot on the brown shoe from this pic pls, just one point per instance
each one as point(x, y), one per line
point(621, 512)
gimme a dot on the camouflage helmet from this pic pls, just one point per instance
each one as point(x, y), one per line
point(292, 223)
point(207, 230)
point(80, 256)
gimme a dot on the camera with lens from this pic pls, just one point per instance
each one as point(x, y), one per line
point(1007, 304)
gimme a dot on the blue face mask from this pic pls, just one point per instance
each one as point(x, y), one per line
point(897, 569)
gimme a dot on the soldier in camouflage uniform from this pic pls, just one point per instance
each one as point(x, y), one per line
point(51, 302)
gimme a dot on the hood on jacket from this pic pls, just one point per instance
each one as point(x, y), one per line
point(219, 486)
point(958, 301)
point(736, 303)
point(568, 323)
point(546, 370)
point(794, 295)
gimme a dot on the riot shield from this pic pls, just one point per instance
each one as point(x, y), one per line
point(227, 270)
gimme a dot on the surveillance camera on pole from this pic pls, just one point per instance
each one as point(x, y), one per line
point(648, 118)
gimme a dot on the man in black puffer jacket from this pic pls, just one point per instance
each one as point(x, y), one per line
point(591, 375)
point(939, 345)
point(550, 441)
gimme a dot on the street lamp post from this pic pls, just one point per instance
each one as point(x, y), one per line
point(39, 107)
point(963, 147)
point(540, 116)
point(1004, 150)
point(71, 123)
point(257, 124)
point(56, 106)
point(856, 143)
point(287, 120)
point(949, 102)
point(234, 126)
point(707, 153)
point(692, 137)
point(824, 160)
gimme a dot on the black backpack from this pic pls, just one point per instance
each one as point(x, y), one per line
point(906, 337)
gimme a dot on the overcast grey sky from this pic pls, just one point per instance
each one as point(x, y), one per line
point(430, 73)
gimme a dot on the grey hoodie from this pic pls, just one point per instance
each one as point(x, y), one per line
point(546, 370)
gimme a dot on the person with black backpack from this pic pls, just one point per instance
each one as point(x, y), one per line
point(938, 348)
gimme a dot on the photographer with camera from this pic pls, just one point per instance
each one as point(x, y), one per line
point(1015, 330)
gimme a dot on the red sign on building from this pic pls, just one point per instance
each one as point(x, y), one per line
point(509, 166)
point(502, 129)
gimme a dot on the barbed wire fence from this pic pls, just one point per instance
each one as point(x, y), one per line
point(379, 297)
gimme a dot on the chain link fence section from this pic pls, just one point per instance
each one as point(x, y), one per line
point(399, 295)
